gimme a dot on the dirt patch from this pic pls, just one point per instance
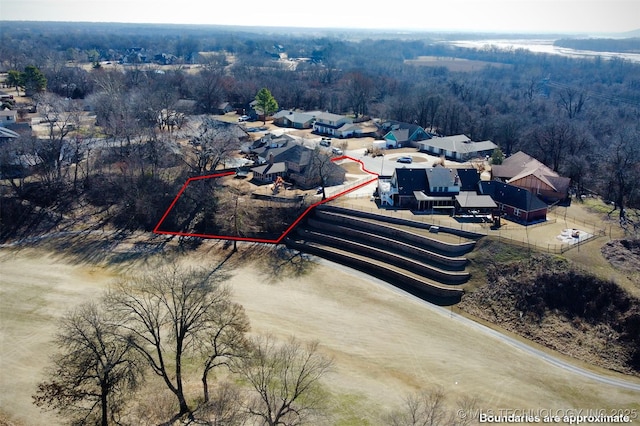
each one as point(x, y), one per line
point(623, 254)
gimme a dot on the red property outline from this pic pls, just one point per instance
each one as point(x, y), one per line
point(256, 240)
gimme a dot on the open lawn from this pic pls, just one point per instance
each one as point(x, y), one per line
point(385, 342)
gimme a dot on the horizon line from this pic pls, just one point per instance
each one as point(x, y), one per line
point(398, 31)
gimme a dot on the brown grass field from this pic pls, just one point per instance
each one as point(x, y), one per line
point(452, 64)
point(385, 343)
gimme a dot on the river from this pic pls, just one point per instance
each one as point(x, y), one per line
point(543, 46)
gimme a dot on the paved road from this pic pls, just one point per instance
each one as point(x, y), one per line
point(549, 358)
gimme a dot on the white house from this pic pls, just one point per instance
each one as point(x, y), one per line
point(7, 117)
point(332, 124)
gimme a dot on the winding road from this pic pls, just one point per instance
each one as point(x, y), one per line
point(630, 384)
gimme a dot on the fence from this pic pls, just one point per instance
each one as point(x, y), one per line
point(511, 232)
point(549, 247)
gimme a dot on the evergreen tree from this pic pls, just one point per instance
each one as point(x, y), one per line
point(266, 103)
point(33, 80)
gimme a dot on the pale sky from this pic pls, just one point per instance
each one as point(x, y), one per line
point(563, 16)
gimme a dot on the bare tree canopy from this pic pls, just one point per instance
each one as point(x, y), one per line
point(213, 145)
point(429, 407)
point(286, 378)
point(165, 310)
point(96, 368)
point(223, 339)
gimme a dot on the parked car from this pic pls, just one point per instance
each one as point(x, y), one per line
point(244, 118)
point(336, 151)
point(325, 142)
point(407, 160)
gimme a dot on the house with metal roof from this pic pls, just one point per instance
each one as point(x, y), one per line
point(519, 204)
point(420, 189)
point(524, 171)
point(458, 147)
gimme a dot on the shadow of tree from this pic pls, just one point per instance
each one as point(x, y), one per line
point(276, 262)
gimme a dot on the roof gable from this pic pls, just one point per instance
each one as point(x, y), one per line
point(296, 116)
point(440, 177)
point(469, 179)
point(521, 165)
point(267, 169)
point(459, 144)
point(410, 180)
point(400, 135)
point(511, 195)
point(327, 117)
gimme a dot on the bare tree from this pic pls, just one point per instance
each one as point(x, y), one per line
point(321, 169)
point(93, 374)
point(213, 145)
point(286, 378)
point(236, 213)
point(223, 338)
point(61, 117)
point(553, 142)
point(429, 408)
point(165, 310)
point(572, 101)
point(358, 88)
point(623, 171)
point(224, 408)
point(209, 88)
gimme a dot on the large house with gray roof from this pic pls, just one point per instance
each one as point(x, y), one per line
point(286, 158)
point(458, 147)
point(458, 192)
point(295, 119)
point(420, 189)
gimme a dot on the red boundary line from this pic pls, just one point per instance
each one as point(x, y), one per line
point(256, 240)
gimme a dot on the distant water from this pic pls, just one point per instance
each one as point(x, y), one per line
point(543, 46)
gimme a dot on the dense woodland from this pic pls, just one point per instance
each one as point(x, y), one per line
point(630, 45)
point(579, 116)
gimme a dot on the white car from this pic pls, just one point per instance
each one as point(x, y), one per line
point(244, 118)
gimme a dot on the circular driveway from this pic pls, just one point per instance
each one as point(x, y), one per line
point(386, 164)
